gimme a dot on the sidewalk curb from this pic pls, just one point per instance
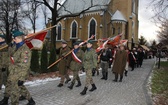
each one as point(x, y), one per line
point(146, 86)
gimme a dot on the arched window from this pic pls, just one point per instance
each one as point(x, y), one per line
point(74, 29)
point(92, 27)
point(133, 6)
point(59, 32)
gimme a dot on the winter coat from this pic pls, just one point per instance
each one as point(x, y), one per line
point(4, 62)
point(74, 65)
point(90, 59)
point(120, 62)
point(19, 67)
point(65, 62)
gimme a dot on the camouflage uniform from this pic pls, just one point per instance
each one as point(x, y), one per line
point(75, 67)
point(64, 64)
point(18, 71)
point(89, 62)
point(3, 65)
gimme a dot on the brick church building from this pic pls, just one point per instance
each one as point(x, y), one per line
point(106, 18)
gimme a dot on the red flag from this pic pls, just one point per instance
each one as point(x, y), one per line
point(36, 41)
point(115, 40)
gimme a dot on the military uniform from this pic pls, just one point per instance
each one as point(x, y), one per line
point(89, 62)
point(3, 64)
point(18, 73)
point(75, 66)
point(64, 65)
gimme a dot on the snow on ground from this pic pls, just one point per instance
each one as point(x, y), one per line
point(44, 81)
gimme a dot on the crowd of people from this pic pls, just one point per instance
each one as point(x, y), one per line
point(14, 74)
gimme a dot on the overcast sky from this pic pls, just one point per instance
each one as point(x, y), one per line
point(147, 28)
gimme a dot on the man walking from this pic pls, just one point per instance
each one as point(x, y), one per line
point(76, 64)
point(18, 72)
point(89, 62)
point(64, 64)
point(120, 63)
point(3, 61)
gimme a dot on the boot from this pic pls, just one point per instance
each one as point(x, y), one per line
point(79, 84)
point(67, 81)
point(126, 72)
point(116, 77)
point(21, 98)
point(121, 77)
point(93, 72)
point(71, 86)
point(106, 75)
point(103, 77)
point(93, 87)
point(60, 85)
point(97, 72)
point(31, 102)
point(4, 101)
point(84, 91)
point(103, 73)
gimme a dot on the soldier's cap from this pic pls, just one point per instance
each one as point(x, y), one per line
point(2, 36)
point(64, 42)
point(90, 41)
point(16, 33)
point(76, 43)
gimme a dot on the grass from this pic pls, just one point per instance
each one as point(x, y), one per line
point(159, 84)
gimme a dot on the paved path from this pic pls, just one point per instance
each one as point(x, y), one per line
point(129, 92)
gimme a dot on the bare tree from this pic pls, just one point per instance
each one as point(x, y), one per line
point(163, 33)
point(44, 11)
point(10, 17)
point(31, 12)
point(160, 7)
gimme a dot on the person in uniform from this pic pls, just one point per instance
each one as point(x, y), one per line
point(89, 62)
point(18, 72)
point(132, 60)
point(3, 61)
point(120, 63)
point(140, 57)
point(76, 64)
point(64, 64)
point(105, 57)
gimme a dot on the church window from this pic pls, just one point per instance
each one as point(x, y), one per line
point(92, 27)
point(74, 30)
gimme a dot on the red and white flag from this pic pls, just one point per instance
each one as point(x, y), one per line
point(112, 41)
point(36, 41)
point(102, 46)
point(76, 58)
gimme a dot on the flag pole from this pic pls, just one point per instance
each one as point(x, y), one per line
point(34, 34)
point(31, 35)
point(69, 52)
point(1, 48)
